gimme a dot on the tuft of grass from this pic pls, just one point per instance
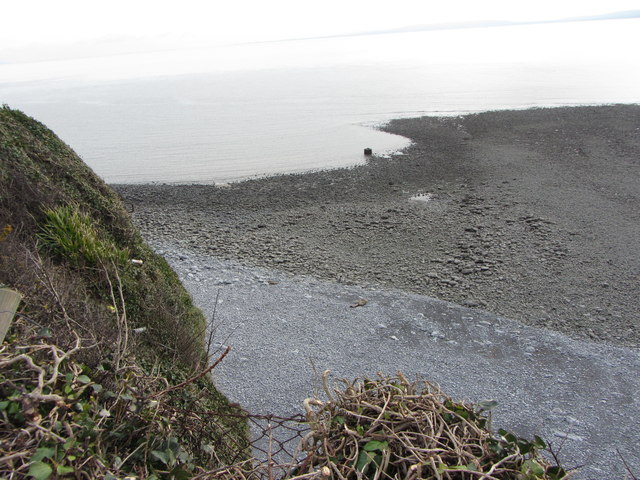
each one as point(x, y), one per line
point(48, 194)
point(71, 234)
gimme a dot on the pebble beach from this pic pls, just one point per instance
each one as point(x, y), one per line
point(533, 215)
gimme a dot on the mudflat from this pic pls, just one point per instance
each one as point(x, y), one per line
point(533, 215)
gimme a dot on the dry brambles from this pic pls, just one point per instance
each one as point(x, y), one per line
point(391, 428)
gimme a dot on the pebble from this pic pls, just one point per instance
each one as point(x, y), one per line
point(568, 436)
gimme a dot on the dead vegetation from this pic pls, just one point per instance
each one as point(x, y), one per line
point(391, 428)
point(63, 419)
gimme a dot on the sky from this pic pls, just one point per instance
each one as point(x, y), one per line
point(46, 30)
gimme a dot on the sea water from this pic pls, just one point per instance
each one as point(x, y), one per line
point(220, 114)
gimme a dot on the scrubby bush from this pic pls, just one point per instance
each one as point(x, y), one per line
point(391, 428)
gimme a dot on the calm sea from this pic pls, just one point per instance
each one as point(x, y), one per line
point(226, 113)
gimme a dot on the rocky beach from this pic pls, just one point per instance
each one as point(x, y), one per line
point(533, 215)
point(496, 256)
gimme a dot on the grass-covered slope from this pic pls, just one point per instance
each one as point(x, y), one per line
point(104, 332)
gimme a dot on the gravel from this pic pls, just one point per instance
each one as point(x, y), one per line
point(284, 330)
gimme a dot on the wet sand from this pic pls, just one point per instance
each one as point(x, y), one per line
point(533, 215)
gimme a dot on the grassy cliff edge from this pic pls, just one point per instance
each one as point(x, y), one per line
point(103, 369)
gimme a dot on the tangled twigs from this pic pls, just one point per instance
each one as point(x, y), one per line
point(45, 279)
point(194, 378)
point(391, 428)
point(58, 356)
point(29, 376)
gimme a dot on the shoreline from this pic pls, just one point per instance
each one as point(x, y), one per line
point(529, 214)
point(376, 125)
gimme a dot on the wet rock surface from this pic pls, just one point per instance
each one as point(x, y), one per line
point(534, 215)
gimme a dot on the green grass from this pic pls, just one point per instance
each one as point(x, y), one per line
point(70, 234)
point(48, 194)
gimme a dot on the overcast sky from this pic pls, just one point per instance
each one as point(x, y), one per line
point(36, 30)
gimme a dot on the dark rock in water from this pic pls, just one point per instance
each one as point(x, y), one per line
point(368, 151)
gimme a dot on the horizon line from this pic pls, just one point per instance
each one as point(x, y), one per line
point(619, 15)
